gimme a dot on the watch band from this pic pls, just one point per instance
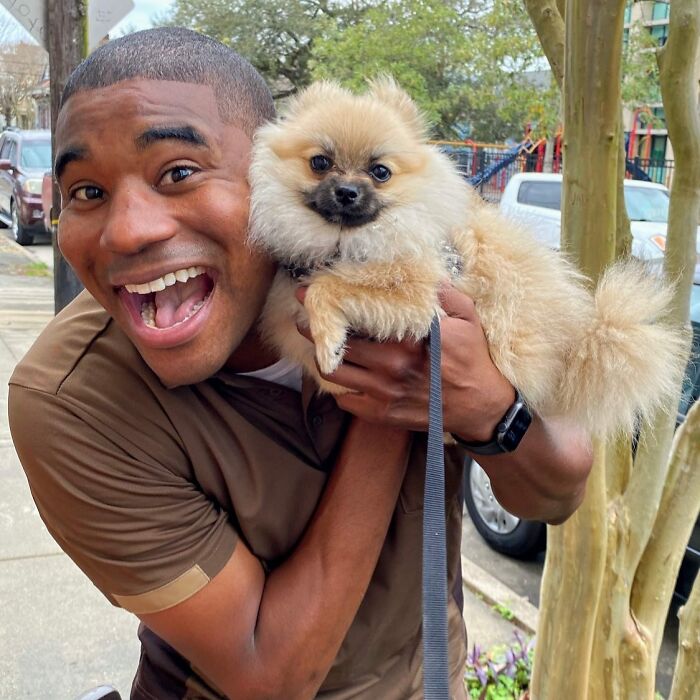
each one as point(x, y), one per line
point(508, 433)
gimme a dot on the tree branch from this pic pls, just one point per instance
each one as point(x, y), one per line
point(549, 25)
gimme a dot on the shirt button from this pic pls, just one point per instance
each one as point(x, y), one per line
point(317, 421)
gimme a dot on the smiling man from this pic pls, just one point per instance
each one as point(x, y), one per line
point(267, 537)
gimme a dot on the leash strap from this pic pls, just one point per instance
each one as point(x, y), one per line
point(436, 684)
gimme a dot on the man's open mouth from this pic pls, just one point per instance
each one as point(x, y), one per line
point(172, 299)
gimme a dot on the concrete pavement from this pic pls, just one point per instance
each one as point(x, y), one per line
point(58, 635)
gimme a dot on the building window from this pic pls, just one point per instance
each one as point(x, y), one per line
point(628, 13)
point(660, 33)
point(660, 11)
point(659, 117)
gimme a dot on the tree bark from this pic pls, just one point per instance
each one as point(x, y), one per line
point(678, 74)
point(563, 653)
point(629, 535)
point(687, 672)
point(547, 17)
point(67, 45)
point(678, 65)
point(680, 503)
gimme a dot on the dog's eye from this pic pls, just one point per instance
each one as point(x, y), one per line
point(380, 172)
point(320, 164)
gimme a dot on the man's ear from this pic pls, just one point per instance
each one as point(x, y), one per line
point(385, 89)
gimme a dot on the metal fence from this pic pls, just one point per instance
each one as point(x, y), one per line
point(473, 159)
point(656, 169)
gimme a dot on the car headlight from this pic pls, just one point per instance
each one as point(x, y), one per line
point(32, 185)
point(659, 241)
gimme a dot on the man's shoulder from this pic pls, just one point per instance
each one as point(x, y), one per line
point(81, 344)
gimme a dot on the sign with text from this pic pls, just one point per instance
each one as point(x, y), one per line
point(103, 15)
point(31, 14)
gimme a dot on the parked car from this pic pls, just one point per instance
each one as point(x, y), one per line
point(47, 199)
point(535, 199)
point(525, 539)
point(24, 158)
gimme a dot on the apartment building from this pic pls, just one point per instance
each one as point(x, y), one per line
point(648, 138)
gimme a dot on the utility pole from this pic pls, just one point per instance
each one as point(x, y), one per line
point(67, 46)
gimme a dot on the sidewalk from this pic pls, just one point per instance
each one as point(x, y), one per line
point(59, 636)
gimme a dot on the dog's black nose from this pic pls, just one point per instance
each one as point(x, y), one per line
point(346, 194)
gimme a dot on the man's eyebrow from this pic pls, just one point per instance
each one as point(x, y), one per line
point(188, 134)
point(66, 156)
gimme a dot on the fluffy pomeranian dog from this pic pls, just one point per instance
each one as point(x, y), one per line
point(351, 200)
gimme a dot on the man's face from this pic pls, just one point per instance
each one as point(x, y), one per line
point(155, 210)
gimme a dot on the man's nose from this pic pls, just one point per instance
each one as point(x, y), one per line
point(138, 217)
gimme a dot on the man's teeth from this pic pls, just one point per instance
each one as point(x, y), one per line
point(148, 312)
point(167, 280)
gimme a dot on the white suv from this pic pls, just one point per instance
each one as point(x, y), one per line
point(535, 199)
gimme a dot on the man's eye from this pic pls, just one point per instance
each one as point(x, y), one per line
point(86, 193)
point(176, 174)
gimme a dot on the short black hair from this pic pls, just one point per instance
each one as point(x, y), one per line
point(179, 54)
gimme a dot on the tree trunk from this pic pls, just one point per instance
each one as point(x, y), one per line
point(67, 43)
point(607, 551)
point(563, 651)
point(547, 18)
point(678, 63)
point(687, 673)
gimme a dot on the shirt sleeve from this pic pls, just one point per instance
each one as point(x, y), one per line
point(145, 535)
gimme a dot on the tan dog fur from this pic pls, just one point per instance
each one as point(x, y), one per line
point(604, 360)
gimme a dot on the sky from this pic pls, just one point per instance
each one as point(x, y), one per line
point(139, 17)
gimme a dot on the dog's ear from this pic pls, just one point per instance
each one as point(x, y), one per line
point(385, 89)
point(320, 92)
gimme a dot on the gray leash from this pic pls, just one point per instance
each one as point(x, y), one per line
point(436, 684)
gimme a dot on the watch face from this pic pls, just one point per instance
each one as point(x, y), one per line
point(514, 428)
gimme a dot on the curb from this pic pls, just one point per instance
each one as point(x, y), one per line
point(13, 248)
point(494, 592)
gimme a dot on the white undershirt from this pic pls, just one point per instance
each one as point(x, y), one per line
point(284, 372)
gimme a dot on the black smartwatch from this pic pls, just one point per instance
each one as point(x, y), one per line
point(509, 431)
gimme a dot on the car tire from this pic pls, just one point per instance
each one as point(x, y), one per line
point(503, 532)
point(19, 233)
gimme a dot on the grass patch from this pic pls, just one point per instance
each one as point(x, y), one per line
point(504, 611)
point(36, 269)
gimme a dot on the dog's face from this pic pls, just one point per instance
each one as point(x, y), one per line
point(346, 174)
point(345, 193)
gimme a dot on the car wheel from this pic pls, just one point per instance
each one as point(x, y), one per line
point(504, 532)
point(19, 233)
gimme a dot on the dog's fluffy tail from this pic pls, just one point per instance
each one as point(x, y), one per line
point(627, 363)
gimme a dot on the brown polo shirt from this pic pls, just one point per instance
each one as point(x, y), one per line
point(148, 490)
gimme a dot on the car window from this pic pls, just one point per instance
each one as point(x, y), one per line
point(12, 155)
point(540, 194)
point(647, 204)
point(36, 154)
point(5, 150)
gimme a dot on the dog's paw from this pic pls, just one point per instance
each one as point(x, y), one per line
point(329, 354)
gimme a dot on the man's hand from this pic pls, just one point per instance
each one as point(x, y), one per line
point(389, 381)
point(544, 479)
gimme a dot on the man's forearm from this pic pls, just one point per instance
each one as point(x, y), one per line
point(310, 601)
point(545, 477)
